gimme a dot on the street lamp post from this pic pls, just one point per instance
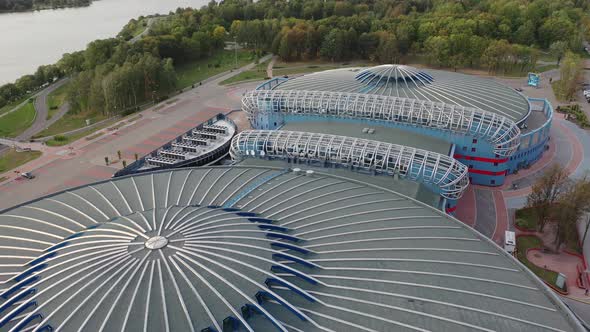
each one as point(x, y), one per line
point(236, 52)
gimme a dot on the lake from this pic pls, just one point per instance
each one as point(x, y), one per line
point(31, 39)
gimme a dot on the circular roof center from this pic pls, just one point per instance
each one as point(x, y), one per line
point(156, 242)
point(394, 74)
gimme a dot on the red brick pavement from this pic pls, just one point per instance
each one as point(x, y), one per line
point(501, 217)
point(467, 207)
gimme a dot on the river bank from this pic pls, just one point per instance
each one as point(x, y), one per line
point(41, 37)
point(48, 6)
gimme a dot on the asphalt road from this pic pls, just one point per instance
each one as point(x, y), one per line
point(582, 310)
point(41, 121)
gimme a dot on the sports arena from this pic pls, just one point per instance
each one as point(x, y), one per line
point(490, 128)
point(336, 222)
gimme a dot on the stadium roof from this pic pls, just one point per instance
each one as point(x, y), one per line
point(273, 248)
point(421, 84)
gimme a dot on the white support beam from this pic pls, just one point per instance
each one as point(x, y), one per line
point(500, 132)
point(449, 176)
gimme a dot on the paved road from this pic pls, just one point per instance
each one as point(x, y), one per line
point(486, 212)
point(581, 309)
point(42, 110)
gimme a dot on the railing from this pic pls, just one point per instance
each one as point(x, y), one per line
point(447, 175)
point(502, 133)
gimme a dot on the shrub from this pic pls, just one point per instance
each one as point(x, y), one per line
point(60, 138)
point(577, 113)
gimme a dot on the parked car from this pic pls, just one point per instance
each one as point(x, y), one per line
point(27, 175)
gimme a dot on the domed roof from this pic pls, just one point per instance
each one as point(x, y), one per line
point(256, 249)
point(166, 261)
point(418, 84)
point(393, 74)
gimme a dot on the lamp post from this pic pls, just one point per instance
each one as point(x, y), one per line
point(236, 52)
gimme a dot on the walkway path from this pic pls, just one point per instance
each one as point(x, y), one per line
point(271, 64)
point(41, 122)
point(148, 26)
point(51, 88)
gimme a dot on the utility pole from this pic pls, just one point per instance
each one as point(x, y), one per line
point(236, 51)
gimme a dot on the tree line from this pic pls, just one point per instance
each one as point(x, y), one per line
point(501, 35)
point(20, 5)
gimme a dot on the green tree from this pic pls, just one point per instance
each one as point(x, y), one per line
point(546, 192)
point(558, 49)
point(388, 49)
point(572, 206)
point(569, 72)
point(438, 50)
point(557, 28)
point(525, 34)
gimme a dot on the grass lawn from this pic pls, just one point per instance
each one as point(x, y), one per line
point(257, 73)
point(13, 159)
point(18, 121)
point(249, 75)
point(526, 218)
point(60, 140)
point(70, 122)
point(12, 105)
point(196, 71)
point(546, 56)
point(56, 99)
point(544, 68)
point(525, 242)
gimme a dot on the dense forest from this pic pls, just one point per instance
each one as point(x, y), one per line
point(114, 75)
point(20, 5)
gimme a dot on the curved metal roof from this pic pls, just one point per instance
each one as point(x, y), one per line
point(422, 84)
point(256, 249)
point(449, 177)
point(502, 133)
point(393, 74)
